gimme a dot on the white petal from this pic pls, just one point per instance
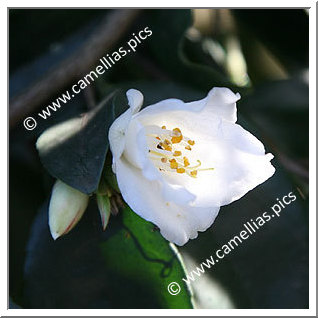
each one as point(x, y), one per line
point(117, 133)
point(118, 130)
point(135, 100)
point(136, 145)
point(127, 137)
point(220, 101)
point(241, 139)
point(239, 163)
point(177, 223)
point(235, 173)
point(178, 204)
point(238, 158)
point(163, 108)
point(66, 208)
point(136, 153)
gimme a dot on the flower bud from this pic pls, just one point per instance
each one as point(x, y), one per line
point(103, 203)
point(67, 205)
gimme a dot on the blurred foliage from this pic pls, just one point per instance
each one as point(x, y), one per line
point(270, 269)
point(128, 266)
point(263, 54)
point(284, 32)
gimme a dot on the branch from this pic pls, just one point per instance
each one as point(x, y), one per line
point(106, 35)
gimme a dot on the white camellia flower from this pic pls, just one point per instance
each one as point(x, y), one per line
point(176, 163)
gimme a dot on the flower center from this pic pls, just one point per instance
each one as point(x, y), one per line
point(169, 149)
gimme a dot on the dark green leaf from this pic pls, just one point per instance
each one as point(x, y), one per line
point(167, 46)
point(270, 268)
point(138, 255)
point(128, 266)
point(280, 111)
point(74, 151)
point(25, 195)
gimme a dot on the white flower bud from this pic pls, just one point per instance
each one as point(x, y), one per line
point(66, 208)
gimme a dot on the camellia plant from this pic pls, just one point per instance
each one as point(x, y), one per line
point(176, 163)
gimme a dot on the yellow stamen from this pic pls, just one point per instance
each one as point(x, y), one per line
point(196, 166)
point(181, 170)
point(194, 173)
point(166, 147)
point(167, 151)
point(157, 153)
point(176, 136)
point(173, 164)
point(176, 140)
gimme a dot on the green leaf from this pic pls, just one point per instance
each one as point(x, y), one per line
point(166, 37)
point(138, 254)
point(110, 179)
point(75, 151)
point(167, 46)
point(280, 111)
point(274, 257)
point(128, 266)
